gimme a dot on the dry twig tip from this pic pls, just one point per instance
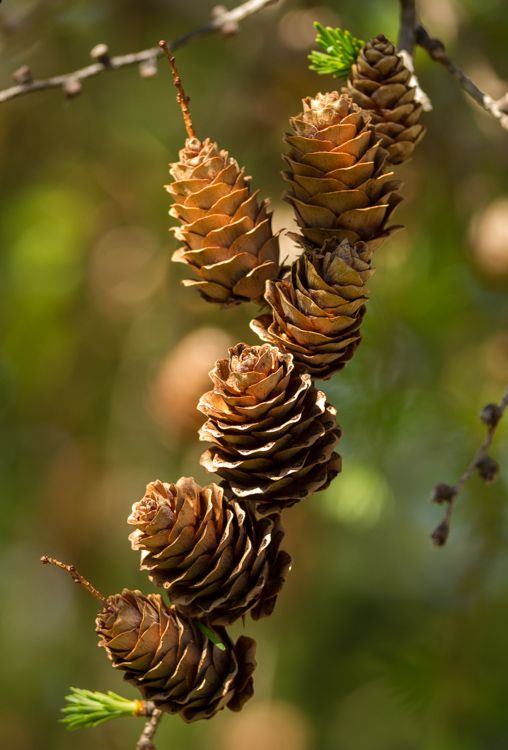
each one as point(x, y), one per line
point(181, 97)
point(76, 576)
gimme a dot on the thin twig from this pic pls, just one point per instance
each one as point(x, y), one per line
point(438, 53)
point(224, 20)
point(406, 44)
point(76, 576)
point(443, 493)
point(181, 97)
point(145, 741)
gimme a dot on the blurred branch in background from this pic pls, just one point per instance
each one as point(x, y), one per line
point(437, 52)
point(486, 467)
point(227, 21)
point(412, 33)
point(406, 44)
point(223, 20)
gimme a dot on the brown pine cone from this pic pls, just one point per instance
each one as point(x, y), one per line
point(226, 231)
point(316, 312)
point(215, 559)
point(273, 434)
point(171, 661)
point(380, 83)
point(339, 189)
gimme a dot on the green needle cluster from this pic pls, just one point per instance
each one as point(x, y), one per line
point(88, 709)
point(341, 49)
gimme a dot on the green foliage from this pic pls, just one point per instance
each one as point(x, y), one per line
point(341, 49)
point(88, 709)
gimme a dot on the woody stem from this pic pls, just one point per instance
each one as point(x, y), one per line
point(76, 576)
point(181, 97)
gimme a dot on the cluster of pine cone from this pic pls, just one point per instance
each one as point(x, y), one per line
point(215, 550)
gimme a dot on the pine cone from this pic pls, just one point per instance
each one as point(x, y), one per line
point(171, 661)
point(380, 83)
point(338, 187)
point(318, 309)
point(226, 232)
point(215, 560)
point(273, 433)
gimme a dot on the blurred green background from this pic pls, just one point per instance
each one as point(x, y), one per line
point(378, 641)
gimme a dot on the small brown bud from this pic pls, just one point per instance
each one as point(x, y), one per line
point(218, 11)
point(488, 468)
point(440, 534)
point(22, 75)
point(443, 493)
point(72, 87)
point(148, 68)
point(491, 414)
point(100, 53)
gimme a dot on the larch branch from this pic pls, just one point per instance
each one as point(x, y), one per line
point(406, 44)
point(222, 20)
point(408, 24)
point(438, 53)
point(145, 741)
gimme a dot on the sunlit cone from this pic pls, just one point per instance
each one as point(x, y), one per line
point(272, 433)
point(226, 231)
point(317, 310)
point(380, 83)
point(338, 186)
point(215, 559)
point(171, 661)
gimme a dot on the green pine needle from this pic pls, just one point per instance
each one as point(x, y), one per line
point(211, 635)
point(341, 49)
point(88, 709)
point(206, 630)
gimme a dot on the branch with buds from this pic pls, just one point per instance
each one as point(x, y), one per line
point(485, 465)
point(224, 21)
